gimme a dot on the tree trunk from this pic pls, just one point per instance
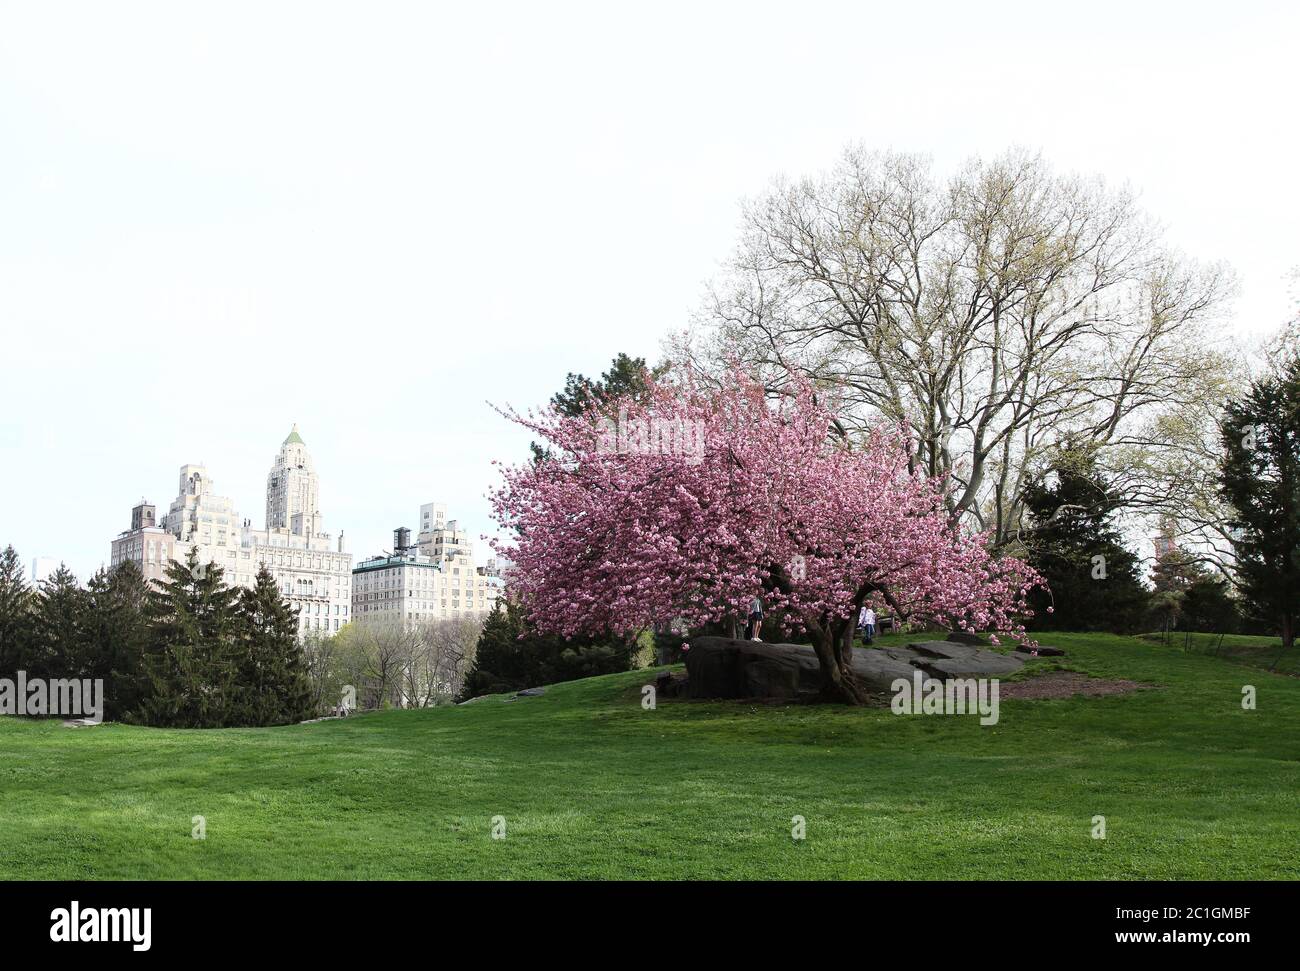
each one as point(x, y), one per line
point(1288, 639)
point(846, 648)
point(838, 682)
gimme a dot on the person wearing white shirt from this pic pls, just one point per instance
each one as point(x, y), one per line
point(867, 621)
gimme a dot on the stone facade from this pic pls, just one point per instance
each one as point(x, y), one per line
point(293, 491)
point(151, 546)
point(312, 571)
point(434, 580)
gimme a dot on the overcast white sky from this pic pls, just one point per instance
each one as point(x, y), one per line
point(369, 218)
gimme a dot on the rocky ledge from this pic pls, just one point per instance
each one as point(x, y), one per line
point(720, 667)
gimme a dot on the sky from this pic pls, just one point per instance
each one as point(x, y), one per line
point(376, 220)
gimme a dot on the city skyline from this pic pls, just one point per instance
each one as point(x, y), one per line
point(325, 583)
point(373, 545)
point(311, 568)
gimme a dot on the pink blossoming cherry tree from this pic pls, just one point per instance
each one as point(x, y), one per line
point(684, 503)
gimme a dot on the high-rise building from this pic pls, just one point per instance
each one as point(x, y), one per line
point(42, 567)
point(143, 515)
point(312, 571)
point(201, 519)
point(146, 542)
point(1165, 541)
point(292, 490)
point(447, 541)
point(435, 579)
point(198, 519)
point(499, 567)
point(433, 516)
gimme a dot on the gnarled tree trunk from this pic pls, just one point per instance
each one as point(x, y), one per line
point(834, 646)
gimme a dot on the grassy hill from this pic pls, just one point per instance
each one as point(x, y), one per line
point(1247, 649)
point(592, 786)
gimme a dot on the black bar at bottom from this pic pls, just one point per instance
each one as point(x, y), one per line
point(349, 922)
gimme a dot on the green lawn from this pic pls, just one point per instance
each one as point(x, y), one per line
point(592, 786)
point(1249, 649)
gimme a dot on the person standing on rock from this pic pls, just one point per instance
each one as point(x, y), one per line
point(867, 621)
point(755, 618)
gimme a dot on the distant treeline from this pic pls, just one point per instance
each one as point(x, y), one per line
point(188, 652)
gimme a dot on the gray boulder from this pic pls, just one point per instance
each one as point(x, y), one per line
point(721, 667)
point(1043, 651)
point(945, 659)
point(946, 650)
point(905, 654)
point(878, 669)
point(670, 685)
point(985, 664)
point(527, 693)
point(968, 637)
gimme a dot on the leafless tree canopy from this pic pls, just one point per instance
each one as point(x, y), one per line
point(326, 665)
point(410, 664)
point(998, 313)
point(440, 655)
point(402, 664)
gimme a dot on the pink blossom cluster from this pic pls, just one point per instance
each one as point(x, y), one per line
point(779, 505)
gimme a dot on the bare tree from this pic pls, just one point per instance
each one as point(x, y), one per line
point(998, 314)
point(1177, 470)
point(407, 664)
point(385, 650)
point(440, 657)
point(321, 655)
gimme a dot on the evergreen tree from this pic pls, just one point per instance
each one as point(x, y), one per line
point(58, 629)
point(668, 643)
point(15, 615)
point(191, 655)
point(116, 631)
point(1188, 596)
point(1209, 606)
point(1175, 570)
point(500, 664)
point(1172, 576)
point(1259, 476)
point(272, 686)
point(1073, 542)
point(626, 375)
point(509, 656)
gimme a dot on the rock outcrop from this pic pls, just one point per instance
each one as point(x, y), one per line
point(945, 659)
point(1043, 651)
point(720, 667)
